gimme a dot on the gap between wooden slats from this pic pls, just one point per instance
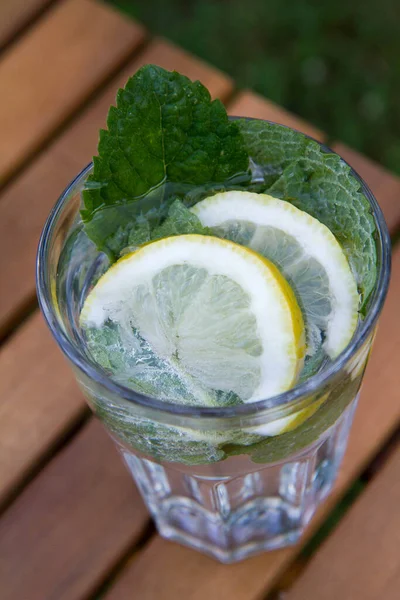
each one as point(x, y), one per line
point(16, 14)
point(72, 524)
point(53, 69)
point(361, 559)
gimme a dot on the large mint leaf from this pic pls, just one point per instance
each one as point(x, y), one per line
point(296, 169)
point(164, 128)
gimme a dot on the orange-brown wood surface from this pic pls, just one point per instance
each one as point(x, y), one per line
point(72, 518)
point(72, 523)
point(361, 559)
point(55, 67)
point(14, 14)
point(39, 401)
point(249, 104)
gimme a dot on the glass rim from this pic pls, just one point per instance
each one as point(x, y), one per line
point(289, 399)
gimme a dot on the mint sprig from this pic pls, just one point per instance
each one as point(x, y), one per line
point(168, 146)
point(164, 129)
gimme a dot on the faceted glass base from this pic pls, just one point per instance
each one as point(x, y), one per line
point(237, 508)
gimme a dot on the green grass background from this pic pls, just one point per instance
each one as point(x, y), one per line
point(336, 64)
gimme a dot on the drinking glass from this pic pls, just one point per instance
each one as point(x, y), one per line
point(202, 487)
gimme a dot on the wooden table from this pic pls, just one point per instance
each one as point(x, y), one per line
point(72, 524)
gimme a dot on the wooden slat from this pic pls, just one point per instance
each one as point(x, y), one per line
point(26, 203)
point(248, 104)
point(169, 571)
point(384, 185)
point(39, 401)
point(14, 14)
point(361, 559)
point(377, 416)
point(71, 525)
point(53, 69)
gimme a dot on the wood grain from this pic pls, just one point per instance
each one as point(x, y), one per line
point(249, 104)
point(72, 524)
point(53, 69)
point(377, 417)
point(384, 185)
point(14, 14)
point(39, 401)
point(361, 559)
point(26, 203)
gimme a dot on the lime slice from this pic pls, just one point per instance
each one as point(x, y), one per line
point(223, 317)
point(304, 250)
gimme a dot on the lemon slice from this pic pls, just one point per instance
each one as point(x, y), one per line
point(223, 317)
point(304, 250)
point(290, 423)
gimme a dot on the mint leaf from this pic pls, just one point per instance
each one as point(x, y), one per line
point(165, 128)
point(272, 148)
point(166, 442)
point(296, 169)
point(114, 228)
point(162, 442)
point(179, 221)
